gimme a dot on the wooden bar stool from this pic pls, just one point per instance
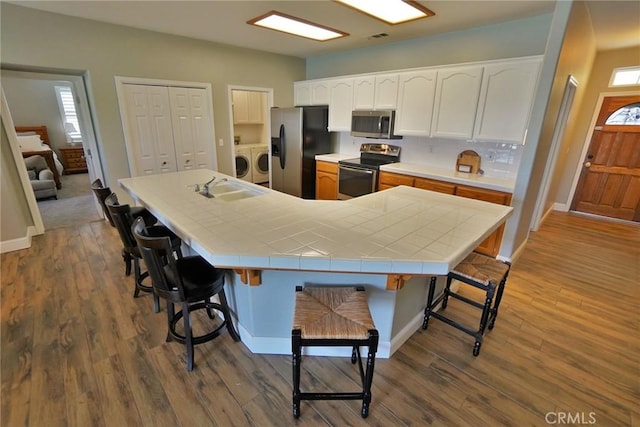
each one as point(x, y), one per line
point(328, 316)
point(479, 271)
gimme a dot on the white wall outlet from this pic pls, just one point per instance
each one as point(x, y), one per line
point(220, 142)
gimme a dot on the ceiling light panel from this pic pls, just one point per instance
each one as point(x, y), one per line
point(290, 24)
point(390, 11)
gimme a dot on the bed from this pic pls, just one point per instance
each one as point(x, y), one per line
point(44, 149)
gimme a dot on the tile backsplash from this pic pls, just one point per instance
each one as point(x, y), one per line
point(500, 160)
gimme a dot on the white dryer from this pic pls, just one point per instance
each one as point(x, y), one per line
point(243, 163)
point(260, 161)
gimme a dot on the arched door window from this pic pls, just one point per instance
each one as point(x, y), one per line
point(627, 115)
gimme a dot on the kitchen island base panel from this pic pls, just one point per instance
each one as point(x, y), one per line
point(264, 313)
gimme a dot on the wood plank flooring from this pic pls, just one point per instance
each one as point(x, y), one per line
point(78, 350)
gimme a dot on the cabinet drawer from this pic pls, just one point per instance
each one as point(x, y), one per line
point(394, 179)
point(438, 186)
point(326, 167)
point(492, 196)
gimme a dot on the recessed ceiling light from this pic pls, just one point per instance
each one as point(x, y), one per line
point(290, 24)
point(390, 11)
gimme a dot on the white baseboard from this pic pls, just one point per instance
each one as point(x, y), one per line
point(19, 243)
point(562, 207)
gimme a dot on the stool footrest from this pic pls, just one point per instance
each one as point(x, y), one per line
point(331, 396)
point(464, 299)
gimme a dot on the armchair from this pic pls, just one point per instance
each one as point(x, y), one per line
point(41, 177)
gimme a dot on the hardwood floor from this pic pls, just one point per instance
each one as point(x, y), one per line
point(78, 350)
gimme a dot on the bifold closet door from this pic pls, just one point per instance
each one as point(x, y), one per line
point(192, 130)
point(149, 130)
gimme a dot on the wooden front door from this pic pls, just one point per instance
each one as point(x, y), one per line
point(609, 184)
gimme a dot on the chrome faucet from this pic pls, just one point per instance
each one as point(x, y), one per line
point(207, 186)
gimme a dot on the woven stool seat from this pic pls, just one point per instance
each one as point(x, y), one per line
point(479, 271)
point(332, 313)
point(481, 268)
point(333, 316)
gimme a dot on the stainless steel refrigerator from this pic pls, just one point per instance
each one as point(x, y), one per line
point(297, 135)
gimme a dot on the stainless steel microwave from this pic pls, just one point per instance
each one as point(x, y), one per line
point(373, 124)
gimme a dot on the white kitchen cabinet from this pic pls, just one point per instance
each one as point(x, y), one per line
point(247, 107)
point(314, 92)
point(364, 92)
point(375, 92)
point(320, 92)
point(416, 93)
point(456, 102)
point(506, 98)
point(302, 93)
point(386, 92)
point(340, 105)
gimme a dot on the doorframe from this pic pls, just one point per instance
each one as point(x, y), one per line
point(266, 114)
point(120, 81)
point(80, 81)
point(30, 196)
point(568, 97)
point(587, 142)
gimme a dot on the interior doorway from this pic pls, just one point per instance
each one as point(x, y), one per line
point(609, 182)
point(33, 99)
point(250, 126)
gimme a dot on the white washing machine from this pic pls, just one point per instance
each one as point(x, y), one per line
point(243, 163)
point(260, 163)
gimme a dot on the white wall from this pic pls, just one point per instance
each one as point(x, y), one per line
point(33, 102)
point(105, 51)
point(523, 37)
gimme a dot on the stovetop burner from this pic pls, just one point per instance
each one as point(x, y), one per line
point(372, 156)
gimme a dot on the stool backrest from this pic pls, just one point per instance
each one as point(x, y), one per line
point(102, 193)
point(122, 220)
point(158, 257)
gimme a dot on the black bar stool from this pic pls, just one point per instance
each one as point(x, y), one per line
point(479, 271)
point(329, 316)
point(189, 281)
point(123, 220)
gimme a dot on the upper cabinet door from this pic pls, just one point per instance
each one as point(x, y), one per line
point(457, 93)
point(320, 92)
point(364, 92)
point(301, 93)
point(416, 92)
point(375, 92)
point(506, 99)
point(340, 105)
point(386, 92)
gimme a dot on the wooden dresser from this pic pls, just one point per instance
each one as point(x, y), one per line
point(73, 159)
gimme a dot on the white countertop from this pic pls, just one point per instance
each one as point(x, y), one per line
point(402, 230)
point(474, 180)
point(335, 157)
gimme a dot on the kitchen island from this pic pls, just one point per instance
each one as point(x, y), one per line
point(391, 242)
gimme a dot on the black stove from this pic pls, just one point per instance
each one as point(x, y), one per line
point(359, 176)
point(372, 156)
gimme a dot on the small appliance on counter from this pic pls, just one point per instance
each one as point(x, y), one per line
point(468, 161)
point(359, 176)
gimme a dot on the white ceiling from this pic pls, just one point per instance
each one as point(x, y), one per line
point(616, 23)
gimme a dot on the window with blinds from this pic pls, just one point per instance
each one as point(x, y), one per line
point(68, 112)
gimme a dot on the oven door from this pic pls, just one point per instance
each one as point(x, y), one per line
point(355, 181)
